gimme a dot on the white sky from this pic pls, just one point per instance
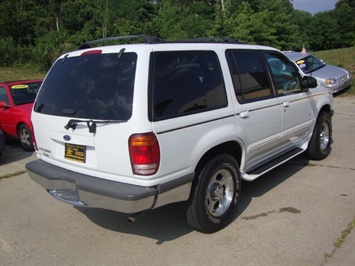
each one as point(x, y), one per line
point(314, 6)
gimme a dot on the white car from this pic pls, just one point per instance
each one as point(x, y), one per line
point(334, 78)
point(132, 127)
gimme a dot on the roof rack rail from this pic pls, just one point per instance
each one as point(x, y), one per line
point(214, 39)
point(146, 38)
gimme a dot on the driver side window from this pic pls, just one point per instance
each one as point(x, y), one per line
point(285, 75)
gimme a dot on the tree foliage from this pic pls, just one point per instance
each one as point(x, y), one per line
point(35, 32)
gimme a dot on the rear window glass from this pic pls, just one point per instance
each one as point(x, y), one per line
point(95, 86)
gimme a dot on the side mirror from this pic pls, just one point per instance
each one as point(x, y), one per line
point(309, 82)
point(3, 104)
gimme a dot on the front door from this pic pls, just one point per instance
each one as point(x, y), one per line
point(258, 111)
point(296, 102)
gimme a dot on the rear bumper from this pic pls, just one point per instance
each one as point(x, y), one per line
point(88, 191)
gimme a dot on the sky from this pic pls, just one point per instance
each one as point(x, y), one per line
point(314, 6)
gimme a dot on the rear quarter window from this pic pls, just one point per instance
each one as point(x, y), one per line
point(93, 86)
point(185, 83)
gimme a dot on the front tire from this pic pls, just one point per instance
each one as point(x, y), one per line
point(25, 137)
point(215, 195)
point(319, 146)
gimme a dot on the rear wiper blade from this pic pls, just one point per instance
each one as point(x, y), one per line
point(72, 123)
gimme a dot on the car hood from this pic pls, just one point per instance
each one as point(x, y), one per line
point(329, 71)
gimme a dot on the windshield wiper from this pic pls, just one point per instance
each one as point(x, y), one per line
point(72, 123)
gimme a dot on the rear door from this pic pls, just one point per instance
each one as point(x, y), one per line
point(189, 107)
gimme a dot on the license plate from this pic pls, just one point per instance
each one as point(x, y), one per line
point(346, 83)
point(75, 153)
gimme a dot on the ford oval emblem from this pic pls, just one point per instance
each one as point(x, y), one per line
point(66, 137)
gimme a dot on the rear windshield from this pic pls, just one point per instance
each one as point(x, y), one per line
point(94, 86)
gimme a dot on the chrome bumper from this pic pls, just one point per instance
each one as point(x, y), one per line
point(88, 191)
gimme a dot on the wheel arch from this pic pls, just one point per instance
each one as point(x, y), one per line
point(327, 109)
point(231, 147)
point(19, 124)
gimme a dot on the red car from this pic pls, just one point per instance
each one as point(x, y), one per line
point(16, 101)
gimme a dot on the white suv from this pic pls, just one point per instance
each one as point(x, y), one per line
point(131, 127)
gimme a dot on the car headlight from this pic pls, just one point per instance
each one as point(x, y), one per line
point(330, 81)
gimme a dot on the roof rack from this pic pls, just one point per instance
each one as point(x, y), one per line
point(146, 38)
point(214, 39)
point(152, 39)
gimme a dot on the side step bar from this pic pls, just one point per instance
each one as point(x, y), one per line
point(260, 170)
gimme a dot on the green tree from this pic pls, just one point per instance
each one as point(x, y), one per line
point(183, 19)
point(345, 16)
point(324, 30)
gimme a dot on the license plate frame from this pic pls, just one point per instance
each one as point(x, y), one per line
point(75, 152)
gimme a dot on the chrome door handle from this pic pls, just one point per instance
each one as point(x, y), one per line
point(244, 114)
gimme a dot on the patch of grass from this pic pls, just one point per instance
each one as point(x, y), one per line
point(342, 58)
point(340, 240)
point(12, 174)
point(13, 73)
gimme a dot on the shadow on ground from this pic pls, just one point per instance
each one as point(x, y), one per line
point(13, 152)
point(167, 223)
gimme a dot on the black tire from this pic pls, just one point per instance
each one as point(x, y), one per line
point(319, 146)
point(215, 195)
point(25, 137)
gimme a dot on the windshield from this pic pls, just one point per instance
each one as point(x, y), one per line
point(92, 86)
point(309, 64)
point(24, 93)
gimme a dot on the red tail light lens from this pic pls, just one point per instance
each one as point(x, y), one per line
point(145, 153)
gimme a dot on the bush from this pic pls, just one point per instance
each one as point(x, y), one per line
point(8, 51)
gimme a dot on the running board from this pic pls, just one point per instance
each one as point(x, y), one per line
point(255, 173)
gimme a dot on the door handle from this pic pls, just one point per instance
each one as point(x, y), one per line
point(244, 114)
point(286, 104)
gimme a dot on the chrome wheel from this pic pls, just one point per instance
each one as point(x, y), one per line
point(319, 146)
point(215, 194)
point(324, 136)
point(25, 137)
point(219, 193)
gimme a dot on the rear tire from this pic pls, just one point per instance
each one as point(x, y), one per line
point(25, 137)
point(215, 195)
point(319, 145)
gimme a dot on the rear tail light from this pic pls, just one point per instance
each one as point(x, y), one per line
point(144, 153)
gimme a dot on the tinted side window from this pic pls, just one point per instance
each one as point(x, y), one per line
point(3, 96)
point(96, 86)
point(249, 76)
point(285, 75)
point(185, 83)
